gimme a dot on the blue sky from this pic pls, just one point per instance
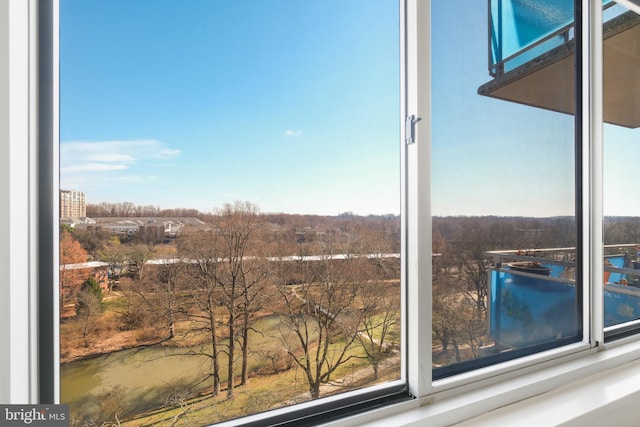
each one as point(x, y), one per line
point(292, 105)
point(492, 157)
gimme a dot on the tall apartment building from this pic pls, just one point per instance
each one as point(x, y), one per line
point(73, 203)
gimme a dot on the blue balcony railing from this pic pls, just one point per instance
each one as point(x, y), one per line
point(520, 30)
point(527, 311)
point(533, 298)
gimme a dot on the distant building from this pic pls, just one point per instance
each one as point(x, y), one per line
point(73, 204)
point(150, 229)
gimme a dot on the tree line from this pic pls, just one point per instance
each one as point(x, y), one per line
point(245, 266)
point(128, 209)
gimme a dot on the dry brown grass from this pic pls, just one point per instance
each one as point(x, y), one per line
point(164, 251)
point(266, 392)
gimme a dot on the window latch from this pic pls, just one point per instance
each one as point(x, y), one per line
point(410, 129)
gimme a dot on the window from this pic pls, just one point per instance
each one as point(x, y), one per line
point(621, 227)
point(594, 280)
point(230, 209)
point(505, 214)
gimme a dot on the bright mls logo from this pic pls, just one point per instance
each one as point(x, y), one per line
point(37, 415)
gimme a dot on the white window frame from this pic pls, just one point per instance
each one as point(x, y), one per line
point(419, 237)
point(416, 63)
point(442, 402)
point(416, 101)
point(17, 280)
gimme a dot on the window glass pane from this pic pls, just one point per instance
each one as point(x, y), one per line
point(621, 33)
point(503, 196)
point(230, 231)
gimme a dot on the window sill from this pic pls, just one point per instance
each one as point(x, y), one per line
point(598, 385)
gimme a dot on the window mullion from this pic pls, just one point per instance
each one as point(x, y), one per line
point(48, 200)
point(416, 61)
point(592, 77)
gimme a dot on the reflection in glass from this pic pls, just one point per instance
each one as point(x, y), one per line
point(621, 67)
point(503, 187)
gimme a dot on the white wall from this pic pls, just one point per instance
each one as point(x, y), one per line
point(4, 197)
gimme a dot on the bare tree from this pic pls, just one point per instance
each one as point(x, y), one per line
point(88, 304)
point(204, 294)
point(228, 276)
point(115, 256)
point(256, 295)
point(159, 292)
point(138, 255)
point(451, 314)
point(380, 305)
point(240, 273)
point(476, 237)
point(319, 320)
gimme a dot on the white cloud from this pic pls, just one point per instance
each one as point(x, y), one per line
point(105, 157)
point(92, 167)
point(167, 153)
point(86, 156)
point(135, 179)
point(291, 132)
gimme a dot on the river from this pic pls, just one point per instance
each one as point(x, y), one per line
point(147, 376)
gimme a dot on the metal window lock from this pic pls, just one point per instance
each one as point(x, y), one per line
point(410, 129)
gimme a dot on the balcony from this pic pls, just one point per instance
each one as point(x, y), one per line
point(533, 299)
point(531, 57)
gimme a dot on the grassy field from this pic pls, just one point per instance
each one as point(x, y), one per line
point(265, 392)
